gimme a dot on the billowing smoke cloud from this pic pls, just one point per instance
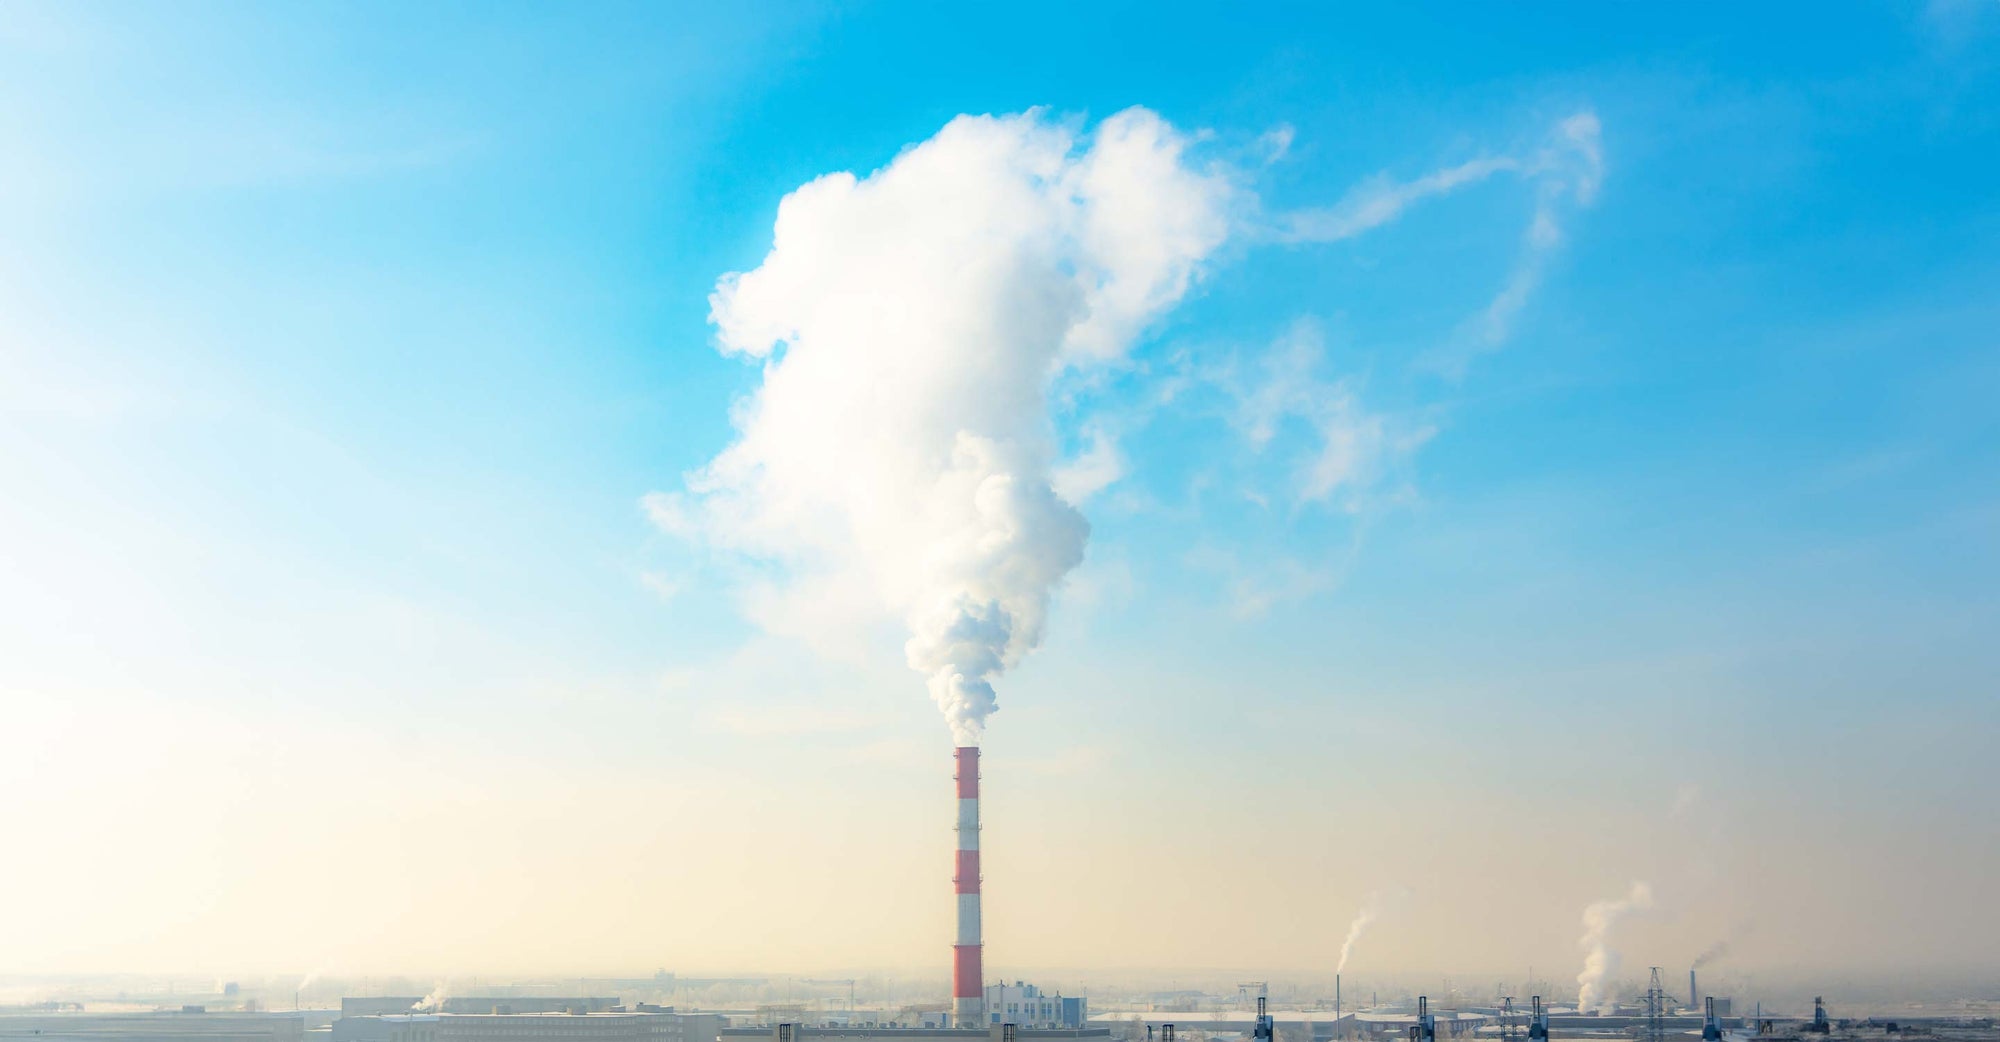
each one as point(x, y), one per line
point(1597, 984)
point(1710, 954)
point(899, 459)
point(899, 455)
point(1372, 909)
point(435, 1000)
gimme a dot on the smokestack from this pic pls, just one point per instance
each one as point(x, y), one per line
point(968, 991)
point(1694, 999)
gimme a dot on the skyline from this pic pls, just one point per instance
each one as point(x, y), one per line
point(1557, 454)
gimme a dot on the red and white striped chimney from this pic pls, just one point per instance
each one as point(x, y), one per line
point(968, 989)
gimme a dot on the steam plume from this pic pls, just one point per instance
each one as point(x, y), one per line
point(898, 456)
point(899, 460)
point(1371, 910)
point(435, 1000)
point(1596, 985)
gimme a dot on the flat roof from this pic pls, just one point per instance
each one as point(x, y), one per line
point(854, 1032)
point(600, 1014)
point(1242, 1021)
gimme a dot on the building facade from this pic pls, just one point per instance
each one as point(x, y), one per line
point(193, 1025)
point(610, 1026)
point(1028, 1006)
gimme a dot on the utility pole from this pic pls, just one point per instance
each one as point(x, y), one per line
point(1656, 1003)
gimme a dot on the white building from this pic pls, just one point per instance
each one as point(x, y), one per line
point(1027, 1005)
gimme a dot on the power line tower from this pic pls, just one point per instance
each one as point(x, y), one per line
point(1507, 1030)
point(1656, 1009)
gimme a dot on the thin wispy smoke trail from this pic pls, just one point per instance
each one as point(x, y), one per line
point(1372, 909)
point(1597, 984)
point(1381, 200)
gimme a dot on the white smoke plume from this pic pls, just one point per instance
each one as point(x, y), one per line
point(434, 1001)
point(899, 456)
point(899, 459)
point(1597, 984)
point(1372, 909)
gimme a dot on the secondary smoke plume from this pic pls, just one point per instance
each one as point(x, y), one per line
point(1741, 930)
point(1597, 984)
point(898, 455)
point(1371, 910)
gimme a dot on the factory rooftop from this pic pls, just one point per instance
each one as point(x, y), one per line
point(997, 1033)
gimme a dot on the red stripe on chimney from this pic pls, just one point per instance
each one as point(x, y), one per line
point(968, 772)
point(965, 975)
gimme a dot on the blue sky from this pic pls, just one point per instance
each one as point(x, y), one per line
point(341, 345)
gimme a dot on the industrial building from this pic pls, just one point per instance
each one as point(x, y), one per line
point(1323, 1023)
point(191, 1025)
point(1025, 1005)
point(996, 1033)
point(381, 1005)
point(607, 1026)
